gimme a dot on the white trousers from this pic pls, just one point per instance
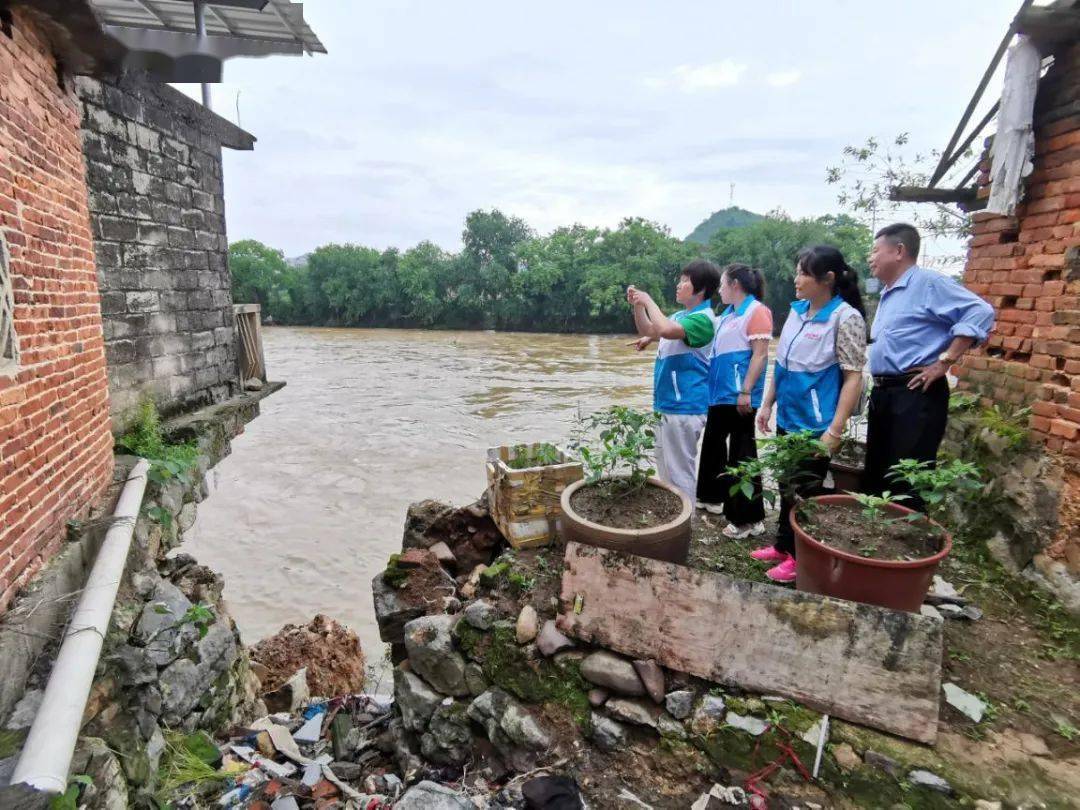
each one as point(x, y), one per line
point(677, 450)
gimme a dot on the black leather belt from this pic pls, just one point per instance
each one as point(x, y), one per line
point(890, 380)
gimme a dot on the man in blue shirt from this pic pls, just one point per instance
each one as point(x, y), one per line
point(924, 324)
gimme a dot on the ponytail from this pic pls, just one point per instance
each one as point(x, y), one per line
point(751, 281)
point(820, 260)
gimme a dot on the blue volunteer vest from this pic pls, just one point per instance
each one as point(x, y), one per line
point(681, 373)
point(731, 356)
point(808, 375)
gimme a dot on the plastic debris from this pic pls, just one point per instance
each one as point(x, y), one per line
point(964, 702)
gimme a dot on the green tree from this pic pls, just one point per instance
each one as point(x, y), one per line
point(772, 245)
point(256, 269)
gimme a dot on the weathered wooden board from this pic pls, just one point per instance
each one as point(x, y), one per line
point(877, 667)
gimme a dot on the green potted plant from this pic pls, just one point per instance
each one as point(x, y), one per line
point(873, 549)
point(619, 504)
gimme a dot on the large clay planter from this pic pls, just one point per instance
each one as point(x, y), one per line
point(669, 542)
point(846, 478)
point(828, 571)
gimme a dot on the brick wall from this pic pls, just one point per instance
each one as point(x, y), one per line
point(55, 444)
point(156, 201)
point(1028, 267)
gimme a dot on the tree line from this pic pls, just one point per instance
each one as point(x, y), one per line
point(508, 277)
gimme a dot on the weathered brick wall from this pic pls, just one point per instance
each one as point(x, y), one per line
point(156, 201)
point(1028, 267)
point(55, 444)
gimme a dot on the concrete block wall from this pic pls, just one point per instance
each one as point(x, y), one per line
point(156, 199)
point(55, 444)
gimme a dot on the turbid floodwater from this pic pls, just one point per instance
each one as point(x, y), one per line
point(312, 500)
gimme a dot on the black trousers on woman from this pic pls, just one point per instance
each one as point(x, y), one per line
point(808, 481)
point(729, 439)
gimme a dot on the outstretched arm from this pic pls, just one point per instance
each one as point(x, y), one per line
point(660, 325)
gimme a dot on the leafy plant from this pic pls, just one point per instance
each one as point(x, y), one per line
point(1067, 730)
point(69, 799)
point(961, 403)
point(521, 583)
point(147, 439)
point(160, 515)
point(1008, 422)
point(201, 616)
point(616, 446)
point(939, 485)
point(875, 507)
point(779, 467)
point(537, 455)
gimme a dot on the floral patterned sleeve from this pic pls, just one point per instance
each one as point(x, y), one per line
point(851, 343)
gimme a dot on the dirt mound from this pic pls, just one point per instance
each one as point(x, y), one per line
point(469, 532)
point(330, 651)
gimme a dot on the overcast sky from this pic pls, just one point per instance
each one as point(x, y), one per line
point(562, 112)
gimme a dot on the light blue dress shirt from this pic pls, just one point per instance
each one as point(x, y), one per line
point(918, 317)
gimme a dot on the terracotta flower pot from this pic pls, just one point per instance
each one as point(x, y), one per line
point(846, 477)
point(669, 542)
point(822, 569)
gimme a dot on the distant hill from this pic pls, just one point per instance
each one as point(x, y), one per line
point(732, 217)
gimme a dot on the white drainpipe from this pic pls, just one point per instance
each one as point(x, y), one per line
point(46, 756)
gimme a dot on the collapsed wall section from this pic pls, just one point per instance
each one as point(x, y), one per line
point(158, 210)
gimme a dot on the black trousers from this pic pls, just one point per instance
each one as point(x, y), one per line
point(729, 439)
point(808, 481)
point(903, 423)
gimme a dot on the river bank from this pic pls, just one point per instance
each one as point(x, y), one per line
point(371, 420)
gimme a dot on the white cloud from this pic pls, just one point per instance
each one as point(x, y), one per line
point(695, 78)
point(784, 78)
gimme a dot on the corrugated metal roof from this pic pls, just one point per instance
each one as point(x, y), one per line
point(280, 21)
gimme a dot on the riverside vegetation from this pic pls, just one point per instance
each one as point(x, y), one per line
point(508, 277)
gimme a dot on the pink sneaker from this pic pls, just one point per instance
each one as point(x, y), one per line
point(769, 554)
point(784, 572)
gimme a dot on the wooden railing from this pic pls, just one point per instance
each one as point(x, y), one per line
point(249, 332)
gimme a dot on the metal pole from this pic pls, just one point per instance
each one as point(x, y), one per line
point(200, 34)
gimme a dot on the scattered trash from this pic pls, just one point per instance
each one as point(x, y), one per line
point(930, 611)
point(749, 724)
point(719, 796)
point(943, 592)
point(931, 781)
point(964, 702)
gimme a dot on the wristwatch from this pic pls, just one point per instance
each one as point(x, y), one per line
point(947, 358)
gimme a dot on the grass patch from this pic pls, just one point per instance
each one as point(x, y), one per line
point(184, 768)
point(147, 439)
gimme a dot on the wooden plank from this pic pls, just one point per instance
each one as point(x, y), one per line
point(880, 668)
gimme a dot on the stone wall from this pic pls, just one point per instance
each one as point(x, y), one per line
point(157, 204)
point(55, 445)
point(1028, 267)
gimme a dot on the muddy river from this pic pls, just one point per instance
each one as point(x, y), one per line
point(312, 500)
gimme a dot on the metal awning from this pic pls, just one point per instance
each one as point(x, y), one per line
point(264, 26)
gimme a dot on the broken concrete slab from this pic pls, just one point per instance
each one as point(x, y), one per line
point(869, 665)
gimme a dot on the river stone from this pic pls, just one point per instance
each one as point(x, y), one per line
point(416, 700)
point(448, 740)
point(881, 762)
point(527, 625)
point(608, 734)
point(480, 614)
point(475, 680)
point(551, 640)
point(598, 697)
point(652, 677)
point(930, 781)
point(432, 796)
point(133, 665)
point(709, 715)
point(22, 716)
point(609, 670)
point(668, 726)
point(392, 613)
point(633, 711)
point(186, 519)
point(444, 555)
point(749, 724)
point(430, 647)
point(184, 683)
point(159, 629)
point(846, 757)
point(512, 730)
point(679, 703)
